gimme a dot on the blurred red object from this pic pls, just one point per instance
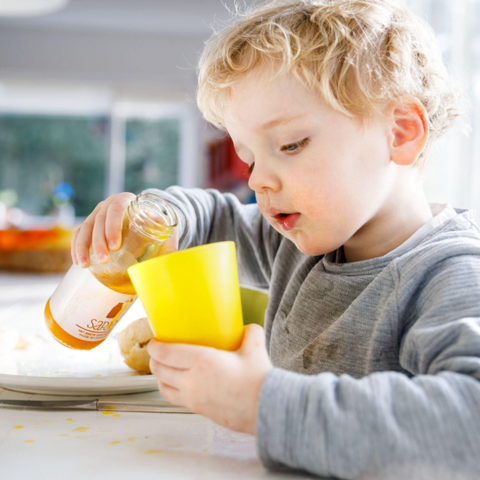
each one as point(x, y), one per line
point(226, 170)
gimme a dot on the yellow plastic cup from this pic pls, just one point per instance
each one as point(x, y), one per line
point(193, 296)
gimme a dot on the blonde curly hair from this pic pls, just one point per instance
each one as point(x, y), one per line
point(359, 55)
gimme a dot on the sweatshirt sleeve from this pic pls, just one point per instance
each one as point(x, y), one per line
point(208, 216)
point(390, 425)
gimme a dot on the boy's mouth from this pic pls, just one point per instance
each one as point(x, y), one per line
point(285, 220)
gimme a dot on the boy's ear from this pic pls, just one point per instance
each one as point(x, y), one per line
point(408, 130)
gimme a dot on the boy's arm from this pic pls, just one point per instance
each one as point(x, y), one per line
point(207, 216)
point(387, 424)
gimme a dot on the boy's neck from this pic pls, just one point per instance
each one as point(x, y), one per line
point(396, 222)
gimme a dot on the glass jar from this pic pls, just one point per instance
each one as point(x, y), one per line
point(88, 303)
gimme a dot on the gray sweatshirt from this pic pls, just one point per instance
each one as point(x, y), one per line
point(377, 362)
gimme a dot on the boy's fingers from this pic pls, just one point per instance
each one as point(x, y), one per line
point(170, 245)
point(114, 220)
point(82, 243)
point(177, 355)
point(169, 393)
point(168, 375)
point(98, 237)
point(72, 247)
point(83, 239)
point(100, 225)
point(253, 338)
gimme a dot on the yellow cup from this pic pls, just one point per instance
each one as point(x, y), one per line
point(193, 296)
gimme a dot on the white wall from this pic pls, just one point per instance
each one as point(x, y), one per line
point(454, 173)
point(123, 61)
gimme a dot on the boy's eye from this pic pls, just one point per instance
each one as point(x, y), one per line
point(294, 147)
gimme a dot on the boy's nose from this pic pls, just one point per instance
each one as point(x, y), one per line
point(263, 178)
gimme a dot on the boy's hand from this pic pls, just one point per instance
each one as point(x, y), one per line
point(102, 228)
point(223, 386)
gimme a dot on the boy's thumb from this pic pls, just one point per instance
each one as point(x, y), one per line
point(170, 245)
point(253, 338)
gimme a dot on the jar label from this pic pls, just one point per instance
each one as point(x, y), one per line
point(85, 308)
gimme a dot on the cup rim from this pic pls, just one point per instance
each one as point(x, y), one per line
point(186, 251)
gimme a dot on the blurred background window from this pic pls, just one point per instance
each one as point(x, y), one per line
point(64, 161)
point(152, 152)
point(148, 147)
point(41, 155)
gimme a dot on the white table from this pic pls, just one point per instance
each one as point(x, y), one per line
point(74, 444)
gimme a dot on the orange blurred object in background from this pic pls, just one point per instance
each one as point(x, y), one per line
point(35, 250)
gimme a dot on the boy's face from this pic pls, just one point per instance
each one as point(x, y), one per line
point(319, 176)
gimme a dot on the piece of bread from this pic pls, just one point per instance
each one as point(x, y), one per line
point(133, 342)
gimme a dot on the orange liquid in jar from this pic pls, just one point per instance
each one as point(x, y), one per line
point(120, 283)
point(65, 338)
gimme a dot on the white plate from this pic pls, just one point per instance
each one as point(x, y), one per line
point(47, 367)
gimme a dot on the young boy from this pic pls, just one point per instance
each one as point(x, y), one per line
point(373, 323)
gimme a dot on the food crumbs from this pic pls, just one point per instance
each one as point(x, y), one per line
point(153, 451)
point(18, 427)
point(132, 439)
point(114, 443)
point(107, 413)
point(81, 429)
point(28, 441)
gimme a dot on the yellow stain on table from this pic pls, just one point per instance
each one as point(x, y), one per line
point(116, 415)
point(64, 435)
point(18, 427)
point(176, 446)
point(114, 443)
point(81, 429)
point(28, 441)
point(41, 423)
point(107, 413)
point(132, 439)
point(69, 420)
point(150, 452)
